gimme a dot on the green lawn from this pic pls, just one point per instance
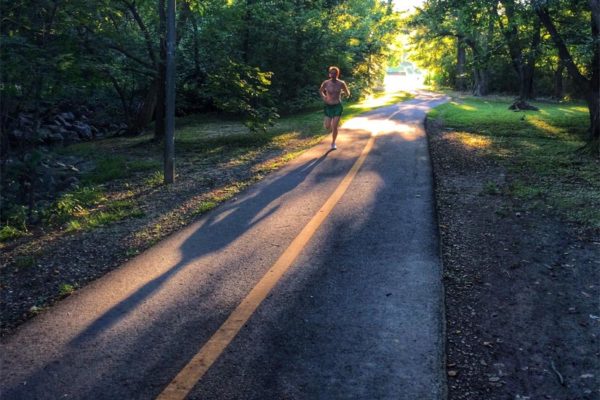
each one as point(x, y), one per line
point(539, 149)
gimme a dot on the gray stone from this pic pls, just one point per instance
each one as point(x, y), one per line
point(84, 130)
point(56, 137)
point(44, 133)
point(61, 121)
point(17, 134)
point(68, 116)
point(25, 120)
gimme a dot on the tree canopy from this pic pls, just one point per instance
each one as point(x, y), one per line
point(244, 56)
point(532, 48)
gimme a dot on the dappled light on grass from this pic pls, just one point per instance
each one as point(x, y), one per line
point(464, 107)
point(545, 127)
point(473, 141)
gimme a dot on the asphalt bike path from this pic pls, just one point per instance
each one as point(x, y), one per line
point(323, 281)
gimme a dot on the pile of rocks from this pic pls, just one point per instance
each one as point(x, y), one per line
point(59, 128)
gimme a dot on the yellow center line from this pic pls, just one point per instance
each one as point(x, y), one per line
point(208, 354)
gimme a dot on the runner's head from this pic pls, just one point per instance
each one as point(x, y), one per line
point(334, 72)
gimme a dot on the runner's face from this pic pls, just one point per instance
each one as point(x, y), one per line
point(333, 74)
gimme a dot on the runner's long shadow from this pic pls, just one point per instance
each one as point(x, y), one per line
point(71, 373)
point(221, 233)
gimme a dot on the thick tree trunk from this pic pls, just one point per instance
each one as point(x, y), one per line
point(481, 84)
point(558, 81)
point(145, 112)
point(594, 101)
point(594, 107)
point(461, 56)
point(523, 65)
point(526, 82)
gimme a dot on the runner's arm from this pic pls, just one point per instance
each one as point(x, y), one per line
point(345, 89)
point(323, 91)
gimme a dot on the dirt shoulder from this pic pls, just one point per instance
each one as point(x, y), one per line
point(522, 287)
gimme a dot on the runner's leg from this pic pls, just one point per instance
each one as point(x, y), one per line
point(334, 129)
point(327, 124)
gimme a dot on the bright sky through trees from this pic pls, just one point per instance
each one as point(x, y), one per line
point(407, 5)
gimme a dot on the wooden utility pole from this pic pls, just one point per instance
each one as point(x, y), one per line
point(170, 96)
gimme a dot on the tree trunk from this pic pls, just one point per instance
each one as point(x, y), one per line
point(590, 87)
point(523, 65)
point(146, 110)
point(461, 55)
point(594, 107)
point(594, 101)
point(558, 81)
point(526, 82)
point(248, 23)
point(480, 87)
point(528, 69)
point(159, 125)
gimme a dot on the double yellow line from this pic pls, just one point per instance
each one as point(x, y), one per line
point(208, 354)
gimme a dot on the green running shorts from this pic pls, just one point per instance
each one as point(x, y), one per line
point(333, 110)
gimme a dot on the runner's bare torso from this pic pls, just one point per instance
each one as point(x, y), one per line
point(332, 90)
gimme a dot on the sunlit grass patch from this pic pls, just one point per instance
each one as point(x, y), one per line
point(8, 232)
point(89, 207)
point(66, 289)
point(540, 151)
point(220, 195)
point(156, 179)
point(102, 218)
point(474, 141)
point(376, 101)
point(494, 118)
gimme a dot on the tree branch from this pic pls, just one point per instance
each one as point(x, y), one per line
point(143, 29)
point(563, 52)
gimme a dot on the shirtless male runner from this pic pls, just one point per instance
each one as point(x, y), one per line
point(331, 92)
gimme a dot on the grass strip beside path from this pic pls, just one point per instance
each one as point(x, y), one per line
point(539, 149)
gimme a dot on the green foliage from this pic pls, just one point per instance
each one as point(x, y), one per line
point(66, 289)
point(156, 179)
point(113, 211)
point(205, 206)
point(8, 232)
point(244, 90)
point(489, 31)
point(74, 204)
point(107, 169)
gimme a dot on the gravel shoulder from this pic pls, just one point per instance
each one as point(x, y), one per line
point(522, 287)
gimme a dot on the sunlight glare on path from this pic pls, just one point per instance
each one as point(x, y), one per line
point(408, 83)
point(380, 127)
